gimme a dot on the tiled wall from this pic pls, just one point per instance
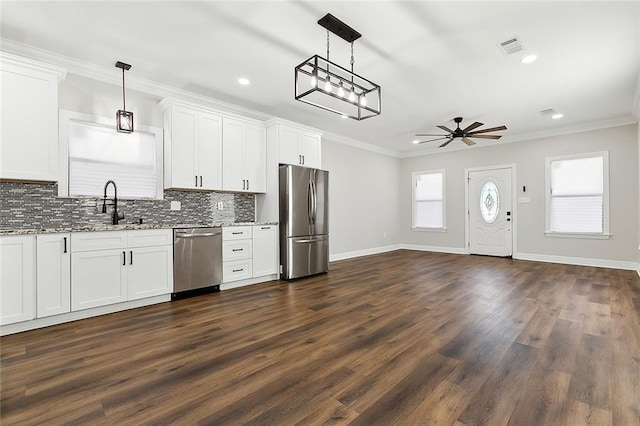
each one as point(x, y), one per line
point(37, 206)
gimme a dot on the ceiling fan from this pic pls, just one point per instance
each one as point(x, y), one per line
point(464, 134)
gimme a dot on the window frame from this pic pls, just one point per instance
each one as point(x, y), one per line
point(414, 184)
point(605, 234)
point(67, 116)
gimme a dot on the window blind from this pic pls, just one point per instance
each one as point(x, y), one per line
point(577, 195)
point(98, 153)
point(429, 200)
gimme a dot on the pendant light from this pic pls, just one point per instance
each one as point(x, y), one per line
point(124, 118)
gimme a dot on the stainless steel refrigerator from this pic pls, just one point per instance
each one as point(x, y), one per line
point(304, 228)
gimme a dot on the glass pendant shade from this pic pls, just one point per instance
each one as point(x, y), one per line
point(124, 121)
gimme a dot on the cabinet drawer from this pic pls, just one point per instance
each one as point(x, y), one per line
point(150, 237)
point(88, 241)
point(237, 270)
point(236, 233)
point(236, 250)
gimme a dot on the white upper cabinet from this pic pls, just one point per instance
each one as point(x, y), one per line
point(244, 156)
point(192, 148)
point(29, 130)
point(298, 146)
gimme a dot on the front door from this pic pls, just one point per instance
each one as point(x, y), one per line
point(490, 213)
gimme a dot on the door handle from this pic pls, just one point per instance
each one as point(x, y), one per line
point(124, 258)
point(244, 185)
point(206, 234)
point(200, 181)
point(299, 159)
point(302, 160)
point(196, 181)
point(65, 244)
point(247, 184)
point(131, 257)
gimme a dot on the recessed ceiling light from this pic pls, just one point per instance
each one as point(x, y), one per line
point(528, 59)
point(416, 142)
point(243, 81)
point(344, 116)
point(556, 116)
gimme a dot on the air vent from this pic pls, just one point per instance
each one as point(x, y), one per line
point(547, 111)
point(511, 45)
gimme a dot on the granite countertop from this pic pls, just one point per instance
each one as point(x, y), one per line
point(124, 227)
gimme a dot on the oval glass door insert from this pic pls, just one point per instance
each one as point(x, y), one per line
point(489, 202)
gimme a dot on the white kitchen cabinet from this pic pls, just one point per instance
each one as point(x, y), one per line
point(29, 116)
point(118, 266)
point(192, 148)
point(53, 266)
point(244, 156)
point(297, 146)
point(249, 252)
point(150, 271)
point(265, 250)
point(17, 279)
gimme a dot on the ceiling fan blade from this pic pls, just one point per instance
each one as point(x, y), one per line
point(469, 142)
point(492, 129)
point(472, 126)
point(431, 140)
point(445, 128)
point(485, 136)
point(446, 143)
point(430, 134)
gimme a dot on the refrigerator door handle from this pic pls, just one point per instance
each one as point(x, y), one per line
point(315, 200)
point(310, 202)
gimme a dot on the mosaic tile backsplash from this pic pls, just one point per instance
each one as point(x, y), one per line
point(37, 206)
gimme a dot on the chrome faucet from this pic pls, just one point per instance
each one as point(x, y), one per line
point(115, 216)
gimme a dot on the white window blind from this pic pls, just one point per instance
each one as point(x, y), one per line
point(428, 200)
point(577, 195)
point(97, 153)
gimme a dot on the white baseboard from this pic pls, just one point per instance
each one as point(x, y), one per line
point(582, 261)
point(365, 252)
point(78, 315)
point(438, 249)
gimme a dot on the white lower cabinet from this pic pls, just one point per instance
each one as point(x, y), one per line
point(53, 288)
point(98, 278)
point(249, 252)
point(128, 265)
point(265, 250)
point(17, 279)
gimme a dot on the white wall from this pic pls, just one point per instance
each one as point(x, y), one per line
point(364, 211)
point(529, 157)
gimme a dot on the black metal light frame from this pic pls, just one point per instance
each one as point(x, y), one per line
point(124, 118)
point(313, 74)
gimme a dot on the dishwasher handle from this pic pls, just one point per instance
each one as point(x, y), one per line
point(185, 235)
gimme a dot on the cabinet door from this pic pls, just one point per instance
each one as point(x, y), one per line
point(53, 293)
point(255, 158)
point(29, 131)
point(265, 250)
point(288, 139)
point(182, 142)
point(232, 173)
point(149, 271)
point(17, 279)
point(98, 278)
point(309, 148)
point(209, 151)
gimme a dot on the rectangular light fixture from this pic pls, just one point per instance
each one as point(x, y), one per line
point(124, 118)
point(327, 85)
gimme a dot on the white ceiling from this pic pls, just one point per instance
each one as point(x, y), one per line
point(434, 60)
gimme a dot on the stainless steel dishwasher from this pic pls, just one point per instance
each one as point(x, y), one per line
point(197, 261)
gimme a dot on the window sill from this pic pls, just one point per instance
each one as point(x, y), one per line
point(577, 235)
point(430, 229)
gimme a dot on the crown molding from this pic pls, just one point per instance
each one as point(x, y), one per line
point(277, 120)
point(108, 75)
point(334, 137)
point(585, 127)
point(8, 58)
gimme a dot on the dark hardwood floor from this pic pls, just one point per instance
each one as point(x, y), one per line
point(402, 338)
